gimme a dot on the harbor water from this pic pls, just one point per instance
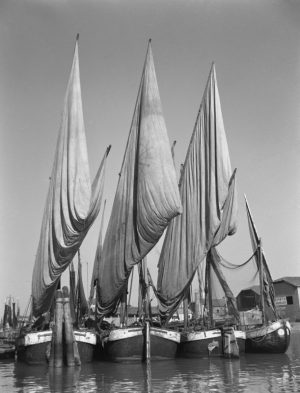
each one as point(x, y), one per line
point(251, 373)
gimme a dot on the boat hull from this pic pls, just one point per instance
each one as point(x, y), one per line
point(125, 344)
point(128, 344)
point(34, 348)
point(274, 338)
point(163, 343)
point(7, 351)
point(201, 343)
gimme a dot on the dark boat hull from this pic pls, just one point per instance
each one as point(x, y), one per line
point(34, 348)
point(163, 343)
point(128, 344)
point(201, 343)
point(7, 351)
point(274, 338)
point(125, 344)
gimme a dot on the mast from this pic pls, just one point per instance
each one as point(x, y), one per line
point(261, 279)
point(210, 300)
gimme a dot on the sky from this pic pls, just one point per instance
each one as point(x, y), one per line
point(255, 45)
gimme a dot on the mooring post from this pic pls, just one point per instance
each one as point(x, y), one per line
point(69, 334)
point(148, 342)
point(230, 345)
point(56, 352)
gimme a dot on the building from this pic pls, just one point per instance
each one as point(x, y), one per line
point(287, 297)
point(248, 298)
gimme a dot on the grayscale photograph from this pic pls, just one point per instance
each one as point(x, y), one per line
point(150, 196)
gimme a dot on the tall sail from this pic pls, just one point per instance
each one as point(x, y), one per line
point(268, 290)
point(207, 190)
point(147, 195)
point(72, 203)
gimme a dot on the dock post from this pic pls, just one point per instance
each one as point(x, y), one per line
point(230, 345)
point(69, 334)
point(56, 352)
point(148, 342)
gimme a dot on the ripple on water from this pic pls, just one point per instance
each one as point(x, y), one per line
point(251, 373)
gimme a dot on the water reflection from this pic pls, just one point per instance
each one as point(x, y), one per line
point(250, 373)
point(64, 379)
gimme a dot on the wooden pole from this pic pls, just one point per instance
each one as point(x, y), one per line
point(68, 326)
point(209, 290)
point(185, 313)
point(261, 279)
point(148, 342)
point(56, 353)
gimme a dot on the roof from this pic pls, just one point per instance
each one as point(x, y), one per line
point(295, 281)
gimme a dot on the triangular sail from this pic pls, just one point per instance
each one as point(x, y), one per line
point(147, 195)
point(268, 290)
point(72, 203)
point(204, 190)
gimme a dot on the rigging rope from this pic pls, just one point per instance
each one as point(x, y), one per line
point(231, 265)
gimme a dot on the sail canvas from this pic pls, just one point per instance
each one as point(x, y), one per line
point(72, 202)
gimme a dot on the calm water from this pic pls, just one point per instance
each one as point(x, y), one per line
point(251, 373)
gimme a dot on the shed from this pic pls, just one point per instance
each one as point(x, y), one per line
point(287, 297)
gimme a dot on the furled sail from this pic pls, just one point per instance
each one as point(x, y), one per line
point(97, 259)
point(268, 290)
point(82, 307)
point(72, 203)
point(147, 195)
point(213, 259)
point(207, 190)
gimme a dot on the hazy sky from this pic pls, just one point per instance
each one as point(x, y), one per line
point(256, 47)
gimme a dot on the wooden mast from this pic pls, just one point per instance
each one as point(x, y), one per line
point(261, 278)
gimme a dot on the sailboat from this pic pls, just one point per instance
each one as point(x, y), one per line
point(207, 189)
point(71, 207)
point(273, 334)
point(146, 200)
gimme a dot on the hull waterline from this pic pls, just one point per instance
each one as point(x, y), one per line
point(201, 343)
point(34, 348)
point(129, 344)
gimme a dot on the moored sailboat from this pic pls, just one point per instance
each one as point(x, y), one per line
point(71, 207)
point(146, 199)
point(207, 189)
point(272, 335)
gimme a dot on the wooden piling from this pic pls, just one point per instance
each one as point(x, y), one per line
point(56, 352)
point(148, 343)
point(68, 330)
point(230, 345)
